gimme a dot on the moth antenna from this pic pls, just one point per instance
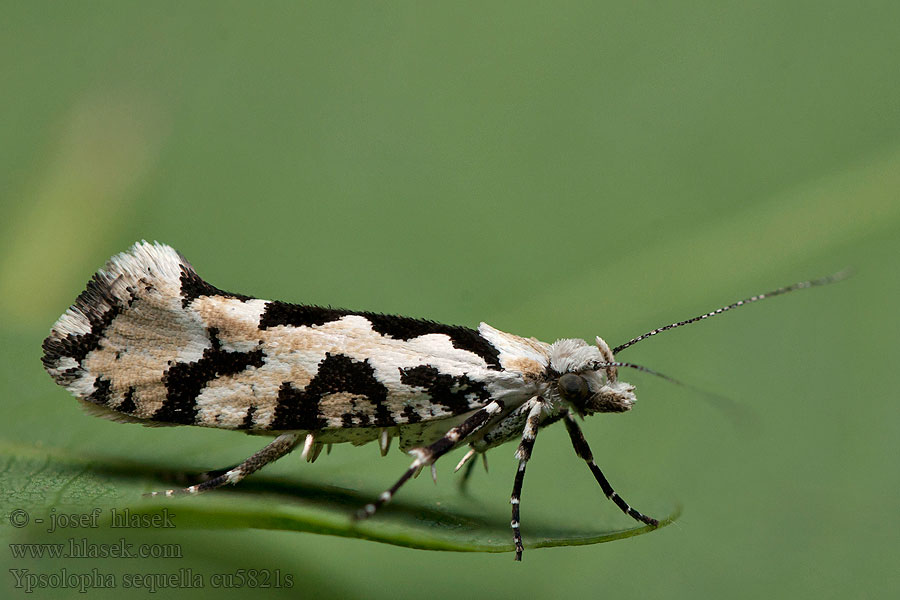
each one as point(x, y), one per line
point(783, 290)
point(739, 414)
point(604, 365)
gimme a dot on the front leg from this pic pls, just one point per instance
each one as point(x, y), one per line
point(584, 451)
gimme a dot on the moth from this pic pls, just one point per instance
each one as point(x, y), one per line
point(148, 341)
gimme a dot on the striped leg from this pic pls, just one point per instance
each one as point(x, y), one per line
point(583, 450)
point(523, 453)
point(427, 456)
point(276, 449)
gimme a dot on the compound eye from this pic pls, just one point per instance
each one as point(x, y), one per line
point(573, 387)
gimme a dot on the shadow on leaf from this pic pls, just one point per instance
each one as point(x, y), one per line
point(294, 505)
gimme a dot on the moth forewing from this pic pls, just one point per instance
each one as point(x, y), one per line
point(149, 341)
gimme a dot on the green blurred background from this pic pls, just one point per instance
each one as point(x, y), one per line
point(557, 170)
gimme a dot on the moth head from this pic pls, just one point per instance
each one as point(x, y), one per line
point(588, 382)
point(588, 394)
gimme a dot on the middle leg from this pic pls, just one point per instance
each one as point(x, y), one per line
point(429, 454)
point(523, 453)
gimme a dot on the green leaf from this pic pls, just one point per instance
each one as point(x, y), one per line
point(44, 478)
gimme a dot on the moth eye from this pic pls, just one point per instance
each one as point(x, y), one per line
point(573, 387)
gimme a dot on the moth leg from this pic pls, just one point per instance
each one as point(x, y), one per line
point(583, 450)
point(207, 475)
point(426, 456)
point(523, 453)
point(280, 446)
